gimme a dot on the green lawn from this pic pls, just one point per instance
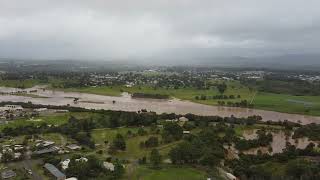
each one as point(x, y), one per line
point(168, 173)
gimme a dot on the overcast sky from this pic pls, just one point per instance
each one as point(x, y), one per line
point(146, 29)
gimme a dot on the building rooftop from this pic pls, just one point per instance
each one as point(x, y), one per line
point(73, 146)
point(47, 150)
point(54, 171)
point(8, 174)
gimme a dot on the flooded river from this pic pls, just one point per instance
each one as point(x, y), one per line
point(127, 103)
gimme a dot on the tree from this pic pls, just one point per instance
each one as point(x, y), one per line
point(118, 170)
point(83, 170)
point(119, 143)
point(184, 152)
point(85, 139)
point(152, 142)
point(155, 158)
point(114, 122)
point(222, 88)
point(142, 160)
point(142, 132)
point(210, 158)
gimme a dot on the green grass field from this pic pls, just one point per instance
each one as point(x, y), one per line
point(55, 119)
point(19, 84)
point(133, 150)
point(280, 103)
point(50, 119)
point(168, 173)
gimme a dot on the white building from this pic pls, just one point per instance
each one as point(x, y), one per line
point(183, 119)
point(65, 164)
point(73, 147)
point(14, 107)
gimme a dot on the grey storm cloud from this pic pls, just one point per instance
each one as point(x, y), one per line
point(124, 29)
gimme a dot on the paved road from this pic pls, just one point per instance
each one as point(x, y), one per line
point(28, 165)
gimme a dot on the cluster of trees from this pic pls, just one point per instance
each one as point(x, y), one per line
point(221, 87)
point(171, 132)
point(92, 169)
point(205, 149)
point(283, 84)
point(312, 131)
point(146, 95)
point(152, 141)
point(204, 97)
point(263, 166)
point(243, 103)
point(155, 158)
point(118, 143)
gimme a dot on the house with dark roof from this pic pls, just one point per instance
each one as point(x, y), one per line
point(47, 150)
point(8, 174)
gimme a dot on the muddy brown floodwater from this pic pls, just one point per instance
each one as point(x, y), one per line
point(280, 138)
point(127, 103)
point(278, 144)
